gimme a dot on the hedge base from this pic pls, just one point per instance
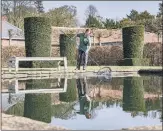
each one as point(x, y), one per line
point(71, 94)
point(68, 48)
point(134, 62)
point(43, 64)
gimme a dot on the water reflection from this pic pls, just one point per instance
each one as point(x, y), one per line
point(19, 86)
point(76, 103)
point(84, 99)
point(133, 94)
point(38, 106)
point(71, 94)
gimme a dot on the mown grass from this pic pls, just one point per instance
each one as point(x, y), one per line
point(92, 68)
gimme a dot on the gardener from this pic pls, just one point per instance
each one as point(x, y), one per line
point(83, 49)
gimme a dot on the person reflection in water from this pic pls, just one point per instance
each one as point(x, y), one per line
point(84, 99)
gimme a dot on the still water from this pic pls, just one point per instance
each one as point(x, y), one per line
point(87, 103)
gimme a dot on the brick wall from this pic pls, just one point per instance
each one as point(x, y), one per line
point(108, 36)
point(18, 43)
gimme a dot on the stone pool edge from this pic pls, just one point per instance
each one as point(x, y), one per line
point(11, 122)
point(156, 127)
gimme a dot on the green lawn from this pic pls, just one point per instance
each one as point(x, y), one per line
point(95, 68)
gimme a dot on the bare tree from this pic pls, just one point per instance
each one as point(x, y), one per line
point(92, 17)
point(100, 35)
point(91, 11)
point(64, 16)
point(160, 13)
point(39, 6)
point(17, 10)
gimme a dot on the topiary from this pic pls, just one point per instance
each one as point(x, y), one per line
point(133, 41)
point(68, 48)
point(38, 40)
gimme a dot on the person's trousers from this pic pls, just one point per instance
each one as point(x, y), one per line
point(82, 57)
point(82, 87)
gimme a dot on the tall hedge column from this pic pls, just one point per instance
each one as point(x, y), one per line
point(68, 48)
point(133, 43)
point(37, 37)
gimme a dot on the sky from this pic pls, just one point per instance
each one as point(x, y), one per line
point(106, 9)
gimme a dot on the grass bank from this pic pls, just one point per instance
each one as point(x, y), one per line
point(96, 68)
point(151, 72)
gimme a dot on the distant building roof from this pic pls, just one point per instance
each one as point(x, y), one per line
point(16, 33)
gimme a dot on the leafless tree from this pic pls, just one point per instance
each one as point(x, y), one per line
point(91, 11)
point(17, 10)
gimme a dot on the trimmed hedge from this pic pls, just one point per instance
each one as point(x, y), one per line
point(133, 94)
point(104, 55)
point(133, 41)
point(68, 48)
point(71, 94)
point(38, 106)
point(134, 62)
point(158, 72)
point(37, 39)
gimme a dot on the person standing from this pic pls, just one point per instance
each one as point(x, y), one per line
point(83, 49)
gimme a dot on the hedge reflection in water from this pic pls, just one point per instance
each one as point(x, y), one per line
point(133, 95)
point(39, 106)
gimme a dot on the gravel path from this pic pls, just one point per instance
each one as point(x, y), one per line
point(157, 127)
point(10, 122)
